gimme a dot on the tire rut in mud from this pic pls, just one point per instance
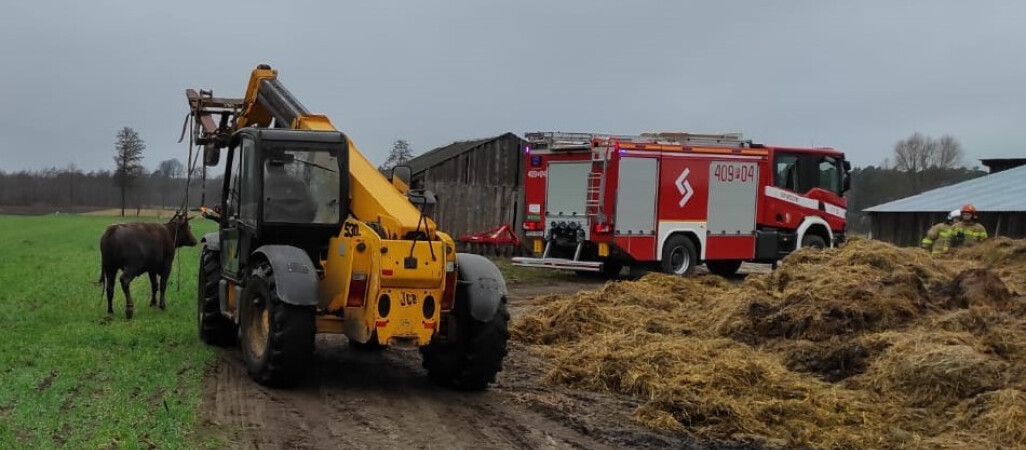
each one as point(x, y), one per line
point(370, 400)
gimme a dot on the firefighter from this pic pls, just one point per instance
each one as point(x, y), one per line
point(966, 231)
point(936, 240)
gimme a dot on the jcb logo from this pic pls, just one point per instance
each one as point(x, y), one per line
point(408, 299)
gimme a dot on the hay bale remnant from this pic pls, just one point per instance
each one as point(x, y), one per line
point(864, 346)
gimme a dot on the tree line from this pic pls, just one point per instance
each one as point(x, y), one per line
point(917, 164)
point(128, 185)
point(72, 190)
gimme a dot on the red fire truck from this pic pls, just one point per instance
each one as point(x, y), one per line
point(671, 201)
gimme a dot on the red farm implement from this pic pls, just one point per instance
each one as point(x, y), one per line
point(501, 241)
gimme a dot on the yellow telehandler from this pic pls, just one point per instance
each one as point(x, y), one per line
point(312, 238)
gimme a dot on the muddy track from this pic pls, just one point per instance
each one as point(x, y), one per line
point(369, 400)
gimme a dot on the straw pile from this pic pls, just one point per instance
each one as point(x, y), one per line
point(865, 346)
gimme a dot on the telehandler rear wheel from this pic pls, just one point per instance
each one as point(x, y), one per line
point(471, 362)
point(473, 356)
point(277, 338)
point(214, 328)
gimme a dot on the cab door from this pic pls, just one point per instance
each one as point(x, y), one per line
point(240, 216)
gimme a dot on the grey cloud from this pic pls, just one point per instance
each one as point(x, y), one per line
point(856, 76)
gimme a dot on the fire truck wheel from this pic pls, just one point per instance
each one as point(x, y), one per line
point(679, 255)
point(814, 241)
point(611, 269)
point(723, 268)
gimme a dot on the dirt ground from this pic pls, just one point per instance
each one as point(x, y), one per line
point(366, 400)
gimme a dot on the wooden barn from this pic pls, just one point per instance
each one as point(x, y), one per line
point(1000, 199)
point(478, 183)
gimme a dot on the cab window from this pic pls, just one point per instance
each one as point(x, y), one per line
point(786, 172)
point(829, 174)
point(802, 173)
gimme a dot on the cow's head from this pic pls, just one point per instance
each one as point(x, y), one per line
point(179, 225)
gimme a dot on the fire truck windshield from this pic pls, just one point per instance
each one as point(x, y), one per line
point(830, 174)
point(801, 173)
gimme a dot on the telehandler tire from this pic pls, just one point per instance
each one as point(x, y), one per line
point(472, 359)
point(470, 363)
point(277, 338)
point(214, 328)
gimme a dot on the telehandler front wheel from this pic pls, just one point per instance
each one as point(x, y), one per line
point(277, 338)
point(214, 328)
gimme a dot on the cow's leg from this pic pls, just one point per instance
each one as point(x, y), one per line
point(126, 281)
point(153, 291)
point(109, 286)
point(163, 287)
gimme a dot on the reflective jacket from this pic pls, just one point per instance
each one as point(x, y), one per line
point(936, 240)
point(965, 234)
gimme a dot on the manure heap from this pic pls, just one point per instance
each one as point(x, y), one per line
point(864, 346)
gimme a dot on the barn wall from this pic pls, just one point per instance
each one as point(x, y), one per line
point(908, 228)
point(478, 189)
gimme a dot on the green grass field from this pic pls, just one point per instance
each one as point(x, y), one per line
point(73, 377)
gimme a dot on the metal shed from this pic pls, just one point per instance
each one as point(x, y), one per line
point(1000, 199)
point(479, 183)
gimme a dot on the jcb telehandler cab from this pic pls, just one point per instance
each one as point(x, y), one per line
point(313, 239)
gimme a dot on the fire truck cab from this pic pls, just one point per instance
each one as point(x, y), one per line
point(671, 201)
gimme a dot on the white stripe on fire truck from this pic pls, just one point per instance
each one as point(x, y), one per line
point(688, 155)
point(834, 210)
point(805, 202)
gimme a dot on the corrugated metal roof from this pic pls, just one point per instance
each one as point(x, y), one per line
point(1002, 191)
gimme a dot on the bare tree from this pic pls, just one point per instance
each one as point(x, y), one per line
point(164, 178)
point(400, 154)
point(171, 168)
point(128, 149)
point(917, 154)
point(949, 152)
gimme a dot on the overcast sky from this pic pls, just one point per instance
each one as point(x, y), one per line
point(856, 76)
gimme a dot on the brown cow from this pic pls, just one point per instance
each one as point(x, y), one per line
point(135, 248)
